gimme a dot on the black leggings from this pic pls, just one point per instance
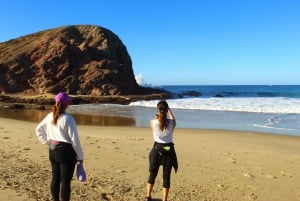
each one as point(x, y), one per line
point(63, 161)
point(166, 176)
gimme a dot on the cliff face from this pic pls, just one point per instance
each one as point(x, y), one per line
point(81, 60)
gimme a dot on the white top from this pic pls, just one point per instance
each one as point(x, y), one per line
point(64, 131)
point(165, 136)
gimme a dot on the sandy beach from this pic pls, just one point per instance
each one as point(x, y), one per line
point(213, 165)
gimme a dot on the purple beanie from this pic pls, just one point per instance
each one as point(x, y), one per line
point(63, 97)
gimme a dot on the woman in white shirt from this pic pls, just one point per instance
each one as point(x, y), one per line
point(163, 152)
point(58, 129)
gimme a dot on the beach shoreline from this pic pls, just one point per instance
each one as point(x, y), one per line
point(213, 164)
point(136, 116)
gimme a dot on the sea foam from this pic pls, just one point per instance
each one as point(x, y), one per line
point(241, 104)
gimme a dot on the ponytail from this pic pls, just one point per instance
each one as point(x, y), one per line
point(163, 108)
point(58, 109)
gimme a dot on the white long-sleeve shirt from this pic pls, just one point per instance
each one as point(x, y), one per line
point(64, 131)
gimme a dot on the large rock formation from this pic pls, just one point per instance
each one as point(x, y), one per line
point(81, 60)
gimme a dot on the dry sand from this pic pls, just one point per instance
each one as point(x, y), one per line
point(213, 165)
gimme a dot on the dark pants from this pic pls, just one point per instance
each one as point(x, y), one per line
point(63, 161)
point(158, 156)
point(166, 175)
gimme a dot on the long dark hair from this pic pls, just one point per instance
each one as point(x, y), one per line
point(58, 109)
point(162, 110)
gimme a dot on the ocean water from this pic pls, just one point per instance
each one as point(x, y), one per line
point(268, 109)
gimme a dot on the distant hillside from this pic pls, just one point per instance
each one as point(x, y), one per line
point(81, 60)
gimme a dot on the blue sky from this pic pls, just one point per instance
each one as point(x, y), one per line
point(172, 42)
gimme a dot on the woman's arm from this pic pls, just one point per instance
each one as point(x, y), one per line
point(172, 117)
point(74, 136)
point(40, 130)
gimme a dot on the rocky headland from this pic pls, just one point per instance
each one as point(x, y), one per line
point(89, 62)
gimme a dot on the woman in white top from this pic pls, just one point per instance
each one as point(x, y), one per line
point(58, 130)
point(163, 152)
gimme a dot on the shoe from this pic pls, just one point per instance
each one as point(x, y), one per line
point(148, 199)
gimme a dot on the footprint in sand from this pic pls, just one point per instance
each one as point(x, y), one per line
point(249, 175)
point(231, 160)
point(252, 196)
point(268, 176)
point(284, 173)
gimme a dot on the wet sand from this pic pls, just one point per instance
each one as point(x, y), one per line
point(213, 165)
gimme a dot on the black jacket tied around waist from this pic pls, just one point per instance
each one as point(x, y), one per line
point(163, 154)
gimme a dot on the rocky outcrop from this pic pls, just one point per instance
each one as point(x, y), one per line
point(46, 101)
point(81, 60)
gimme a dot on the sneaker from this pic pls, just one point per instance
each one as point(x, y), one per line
point(148, 199)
